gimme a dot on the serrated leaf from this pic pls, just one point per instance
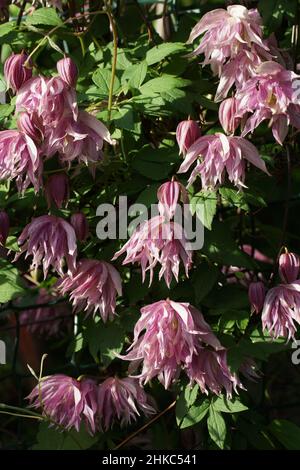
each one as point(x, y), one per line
point(104, 339)
point(204, 205)
point(101, 78)
point(188, 415)
point(7, 28)
point(163, 84)
point(228, 406)
point(157, 53)
point(216, 427)
point(10, 282)
point(135, 75)
point(44, 17)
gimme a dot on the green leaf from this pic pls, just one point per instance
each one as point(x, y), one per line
point(7, 28)
point(163, 84)
point(216, 427)
point(204, 280)
point(228, 406)
point(241, 199)
point(10, 282)
point(5, 111)
point(49, 438)
point(157, 53)
point(135, 74)
point(155, 164)
point(43, 17)
point(189, 413)
point(101, 78)
point(204, 205)
point(287, 433)
point(106, 339)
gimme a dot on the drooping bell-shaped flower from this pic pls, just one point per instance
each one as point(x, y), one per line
point(273, 95)
point(166, 338)
point(121, 400)
point(157, 241)
point(289, 265)
point(210, 370)
point(68, 71)
point(4, 227)
point(81, 226)
point(93, 287)
point(256, 294)
point(169, 195)
point(20, 160)
point(57, 189)
point(219, 155)
point(30, 125)
point(66, 401)
point(282, 310)
point(186, 134)
point(227, 115)
point(15, 72)
point(49, 240)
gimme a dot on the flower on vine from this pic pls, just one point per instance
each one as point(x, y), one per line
point(186, 134)
point(15, 72)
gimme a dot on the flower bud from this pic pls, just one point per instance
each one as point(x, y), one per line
point(289, 265)
point(15, 72)
point(256, 294)
point(227, 115)
point(29, 125)
point(57, 190)
point(187, 133)
point(80, 225)
point(68, 71)
point(168, 195)
point(4, 227)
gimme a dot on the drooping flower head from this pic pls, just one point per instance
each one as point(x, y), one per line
point(57, 189)
point(47, 320)
point(226, 33)
point(15, 72)
point(67, 401)
point(81, 226)
point(186, 134)
point(289, 265)
point(30, 125)
point(68, 71)
point(20, 160)
point(209, 369)
point(169, 195)
point(93, 287)
point(166, 338)
point(282, 310)
point(227, 115)
point(256, 294)
point(221, 155)
point(156, 241)
point(272, 95)
point(121, 400)
point(49, 240)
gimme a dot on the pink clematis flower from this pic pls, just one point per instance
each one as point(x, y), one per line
point(166, 338)
point(49, 239)
point(30, 125)
point(121, 400)
point(67, 401)
point(227, 115)
point(256, 294)
point(156, 241)
point(220, 154)
point(226, 33)
point(81, 226)
point(49, 320)
point(289, 265)
point(209, 369)
point(80, 139)
point(15, 72)
point(168, 195)
point(186, 134)
point(93, 287)
point(68, 71)
point(20, 160)
point(57, 190)
point(272, 95)
point(281, 310)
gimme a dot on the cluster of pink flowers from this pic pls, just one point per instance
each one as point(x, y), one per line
point(171, 336)
point(160, 240)
point(49, 123)
point(233, 45)
point(280, 305)
point(69, 402)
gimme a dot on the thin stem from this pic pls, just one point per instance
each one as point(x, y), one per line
point(114, 60)
point(145, 426)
